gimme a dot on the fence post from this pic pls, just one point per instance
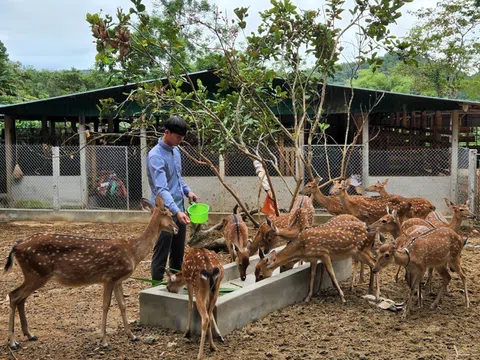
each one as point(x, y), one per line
point(221, 170)
point(365, 153)
point(56, 177)
point(472, 178)
point(454, 161)
point(83, 162)
point(126, 178)
point(146, 192)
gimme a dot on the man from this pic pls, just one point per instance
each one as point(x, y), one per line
point(165, 178)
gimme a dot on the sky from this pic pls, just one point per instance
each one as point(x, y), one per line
point(53, 34)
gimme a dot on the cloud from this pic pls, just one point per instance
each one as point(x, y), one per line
point(52, 34)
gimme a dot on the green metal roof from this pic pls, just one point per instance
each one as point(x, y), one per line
point(85, 103)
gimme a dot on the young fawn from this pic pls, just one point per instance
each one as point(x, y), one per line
point(80, 261)
point(436, 248)
point(325, 243)
point(235, 233)
point(420, 207)
point(202, 272)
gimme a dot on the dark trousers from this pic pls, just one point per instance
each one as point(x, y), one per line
point(168, 244)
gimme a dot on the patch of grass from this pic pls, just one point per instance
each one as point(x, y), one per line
point(33, 204)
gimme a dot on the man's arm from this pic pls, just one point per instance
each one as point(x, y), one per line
point(156, 169)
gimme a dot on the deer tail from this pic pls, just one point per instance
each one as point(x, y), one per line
point(212, 277)
point(9, 262)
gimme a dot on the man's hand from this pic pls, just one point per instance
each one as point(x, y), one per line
point(183, 218)
point(192, 197)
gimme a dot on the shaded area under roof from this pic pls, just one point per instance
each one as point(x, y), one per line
point(85, 103)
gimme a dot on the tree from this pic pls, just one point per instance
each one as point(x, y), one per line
point(447, 46)
point(6, 86)
point(267, 72)
point(370, 79)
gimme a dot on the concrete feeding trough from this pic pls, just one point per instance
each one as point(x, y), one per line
point(248, 302)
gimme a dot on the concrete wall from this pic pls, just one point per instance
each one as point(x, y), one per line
point(434, 188)
point(41, 188)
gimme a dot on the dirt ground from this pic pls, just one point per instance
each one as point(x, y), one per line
point(67, 320)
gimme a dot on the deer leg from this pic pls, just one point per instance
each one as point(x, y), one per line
point(211, 306)
point(428, 285)
point(398, 273)
point(328, 265)
point(367, 259)
point(445, 280)
point(23, 321)
point(361, 279)
point(107, 298)
point(322, 270)
point(205, 324)
point(217, 330)
point(413, 283)
point(313, 270)
point(17, 300)
point(118, 290)
point(190, 310)
point(354, 273)
point(457, 266)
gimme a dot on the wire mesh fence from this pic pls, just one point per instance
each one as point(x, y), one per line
point(110, 177)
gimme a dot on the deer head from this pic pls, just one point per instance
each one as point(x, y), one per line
point(311, 186)
point(243, 259)
point(264, 268)
point(389, 222)
point(463, 210)
point(340, 187)
point(175, 282)
point(378, 187)
point(385, 256)
point(159, 211)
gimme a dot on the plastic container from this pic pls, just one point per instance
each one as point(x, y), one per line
point(198, 213)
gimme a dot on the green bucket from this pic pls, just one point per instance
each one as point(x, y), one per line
point(198, 213)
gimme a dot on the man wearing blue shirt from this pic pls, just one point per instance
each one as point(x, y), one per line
point(164, 166)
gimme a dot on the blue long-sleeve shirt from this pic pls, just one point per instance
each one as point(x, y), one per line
point(164, 168)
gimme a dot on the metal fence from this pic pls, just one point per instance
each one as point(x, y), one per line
point(110, 177)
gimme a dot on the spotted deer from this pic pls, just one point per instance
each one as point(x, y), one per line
point(433, 249)
point(325, 243)
point(79, 261)
point(460, 213)
point(370, 210)
point(235, 233)
point(202, 272)
point(420, 207)
point(332, 204)
point(304, 202)
point(295, 221)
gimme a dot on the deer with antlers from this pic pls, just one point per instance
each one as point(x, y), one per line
point(332, 204)
point(325, 243)
point(80, 261)
point(202, 272)
point(433, 249)
point(420, 207)
point(368, 210)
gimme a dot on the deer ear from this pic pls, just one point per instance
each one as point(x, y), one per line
point(269, 222)
point(272, 258)
point(347, 182)
point(274, 227)
point(395, 214)
point(146, 205)
point(249, 245)
point(449, 203)
point(388, 210)
point(385, 182)
point(261, 254)
point(467, 203)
